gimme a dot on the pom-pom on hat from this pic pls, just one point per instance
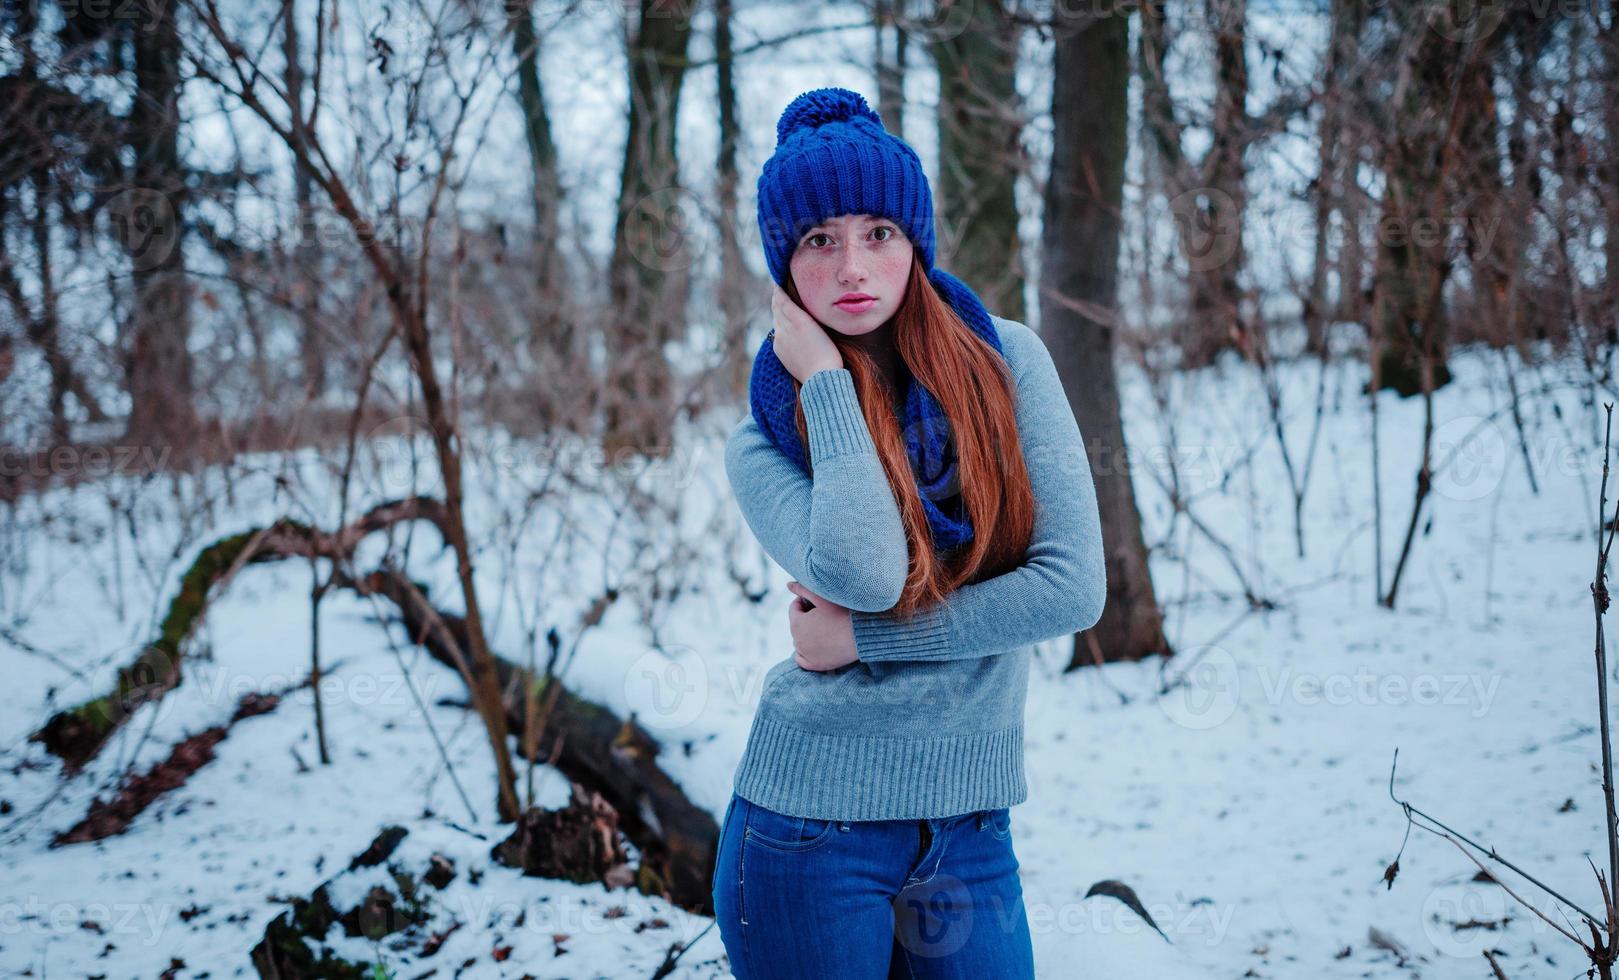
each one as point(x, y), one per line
point(834, 157)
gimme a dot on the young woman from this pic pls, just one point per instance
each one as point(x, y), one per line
point(913, 462)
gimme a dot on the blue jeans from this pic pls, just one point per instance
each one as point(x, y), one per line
point(870, 899)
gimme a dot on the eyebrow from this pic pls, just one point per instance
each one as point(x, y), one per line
point(869, 221)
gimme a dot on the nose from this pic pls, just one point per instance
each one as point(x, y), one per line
point(852, 267)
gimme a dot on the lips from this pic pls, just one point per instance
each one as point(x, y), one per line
point(856, 304)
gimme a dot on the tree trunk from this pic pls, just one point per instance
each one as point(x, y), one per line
point(735, 280)
point(1532, 35)
point(31, 150)
point(650, 267)
point(1349, 22)
point(312, 349)
point(980, 156)
point(152, 211)
point(1216, 321)
point(485, 687)
point(1483, 201)
point(1080, 249)
point(1207, 201)
point(1335, 187)
point(1609, 33)
point(890, 66)
point(1433, 104)
point(554, 332)
point(44, 328)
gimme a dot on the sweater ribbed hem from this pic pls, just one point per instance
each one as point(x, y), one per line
point(832, 415)
point(864, 777)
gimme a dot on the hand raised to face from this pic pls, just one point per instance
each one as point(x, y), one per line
point(800, 341)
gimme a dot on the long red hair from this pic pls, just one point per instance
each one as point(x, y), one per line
point(974, 386)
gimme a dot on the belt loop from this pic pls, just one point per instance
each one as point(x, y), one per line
point(982, 816)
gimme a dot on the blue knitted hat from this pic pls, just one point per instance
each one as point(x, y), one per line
point(833, 157)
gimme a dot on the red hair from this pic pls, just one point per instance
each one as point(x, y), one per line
point(974, 386)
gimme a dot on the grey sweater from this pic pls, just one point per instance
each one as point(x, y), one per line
point(928, 722)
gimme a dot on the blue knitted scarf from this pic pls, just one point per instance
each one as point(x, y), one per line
point(774, 400)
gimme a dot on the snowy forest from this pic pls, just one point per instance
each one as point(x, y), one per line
point(374, 603)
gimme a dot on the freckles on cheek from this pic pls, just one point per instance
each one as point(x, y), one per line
point(899, 270)
point(812, 284)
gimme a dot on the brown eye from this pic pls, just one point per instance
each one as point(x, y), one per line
point(810, 241)
point(883, 228)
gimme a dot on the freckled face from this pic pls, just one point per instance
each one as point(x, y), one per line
point(852, 253)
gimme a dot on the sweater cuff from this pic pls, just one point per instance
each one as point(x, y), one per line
point(887, 636)
point(832, 415)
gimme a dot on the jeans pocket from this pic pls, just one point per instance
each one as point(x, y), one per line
point(783, 832)
point(1000, 822)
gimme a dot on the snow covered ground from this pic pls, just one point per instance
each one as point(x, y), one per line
point(1249, 808)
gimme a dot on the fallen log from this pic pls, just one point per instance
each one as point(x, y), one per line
point(76, 735)
point(585, 741)
point(107, 818)
point(591, 746)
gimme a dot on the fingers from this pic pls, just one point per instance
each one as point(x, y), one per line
point(803, 599)
point(789, 313)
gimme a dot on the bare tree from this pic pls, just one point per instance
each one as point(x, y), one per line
point(1079, 310)
point(553, 329)
point(1609, 40)
point(229, 64)
point(1207, 197)
point(1433, 98)
point(312, 347)
point(1334, 189)
point(159, 370)
point(890, 61)
point(980, 155)
point(734, 280)
point(649, 271)
point(36, 114)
